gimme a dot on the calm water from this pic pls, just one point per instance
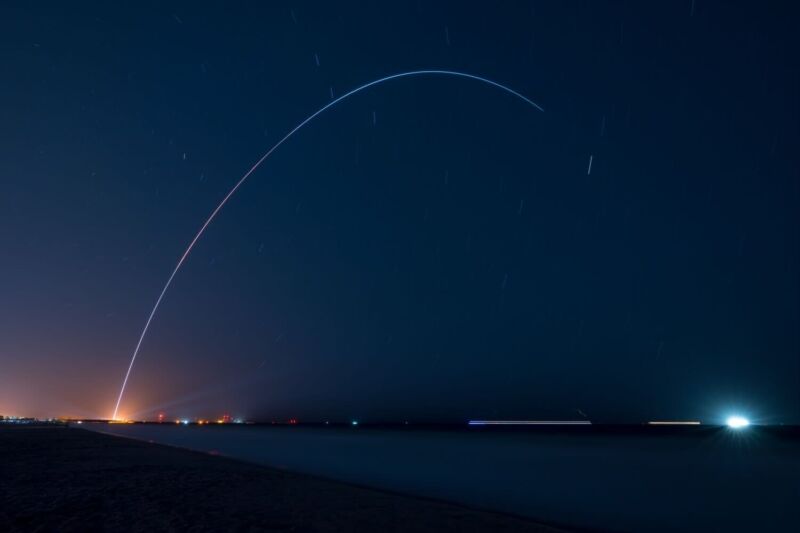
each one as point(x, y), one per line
point(712, 481)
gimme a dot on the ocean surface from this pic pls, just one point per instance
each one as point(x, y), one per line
point(709, 480)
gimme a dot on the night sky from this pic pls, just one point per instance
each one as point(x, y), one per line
point(430, 249)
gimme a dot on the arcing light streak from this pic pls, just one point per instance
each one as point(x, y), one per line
point(266, 155)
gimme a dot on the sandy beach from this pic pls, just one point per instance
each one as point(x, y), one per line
point(66, 479)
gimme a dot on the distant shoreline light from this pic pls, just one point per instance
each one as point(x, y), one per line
point(529, 423)
point(737, 422)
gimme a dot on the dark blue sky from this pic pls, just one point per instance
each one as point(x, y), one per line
point(429, 249)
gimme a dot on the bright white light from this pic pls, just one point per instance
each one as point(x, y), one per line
point(737, 422)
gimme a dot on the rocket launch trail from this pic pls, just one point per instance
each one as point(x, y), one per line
point(334, 102)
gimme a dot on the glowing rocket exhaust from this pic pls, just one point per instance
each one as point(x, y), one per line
point(265, 156)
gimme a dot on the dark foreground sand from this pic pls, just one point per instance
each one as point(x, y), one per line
point(62, 479)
